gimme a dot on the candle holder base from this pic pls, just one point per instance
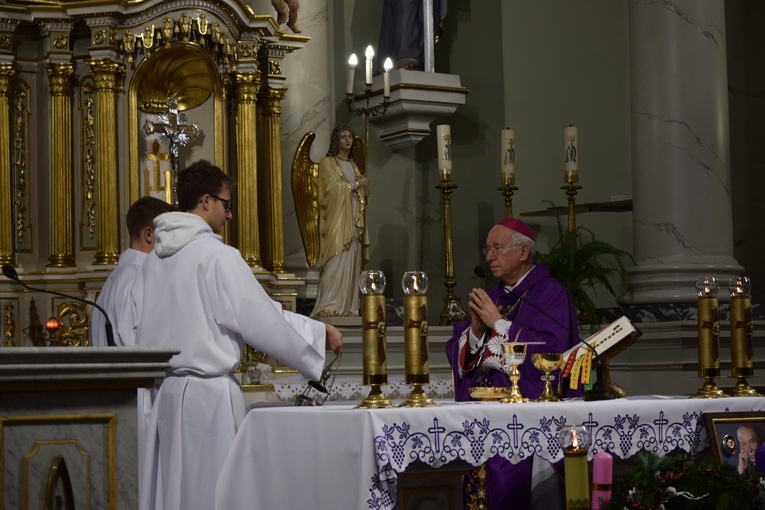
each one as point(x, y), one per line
point(418, 398)
point(742, 389)
point(709, 390)
point(375, 400)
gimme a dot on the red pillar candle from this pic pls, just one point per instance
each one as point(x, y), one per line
point(602, 476)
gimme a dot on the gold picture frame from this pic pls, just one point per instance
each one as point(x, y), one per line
point(728, 434)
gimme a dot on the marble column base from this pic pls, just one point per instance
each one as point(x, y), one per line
point(674, 283)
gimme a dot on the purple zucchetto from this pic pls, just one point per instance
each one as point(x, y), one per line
point(518, 226)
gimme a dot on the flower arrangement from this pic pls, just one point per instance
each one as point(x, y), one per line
point(679, 481)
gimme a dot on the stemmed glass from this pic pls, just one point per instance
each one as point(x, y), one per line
point(547, 362)
point(514, 354)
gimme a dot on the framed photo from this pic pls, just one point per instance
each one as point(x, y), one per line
point(734, 438)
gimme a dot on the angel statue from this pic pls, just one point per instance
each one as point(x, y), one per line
point(330, 200)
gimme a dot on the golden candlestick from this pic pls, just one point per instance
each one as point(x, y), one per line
point(708, 337)
point(367, 111)
point(375, 366)
point(452, 311)
point(571, 188)
point(415, 284)
point(508, 190)
point(741, 329)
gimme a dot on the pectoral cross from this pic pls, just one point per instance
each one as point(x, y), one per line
point(176, 133)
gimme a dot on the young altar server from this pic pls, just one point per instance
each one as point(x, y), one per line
point(198, 295)
point(114, 298)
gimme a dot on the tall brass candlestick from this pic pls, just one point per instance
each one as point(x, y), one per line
point(508, 190)
point(372, 285)
point(741, 329)
point(708, 337)
point(571, 189)
point(415, 284)
point(453, 311)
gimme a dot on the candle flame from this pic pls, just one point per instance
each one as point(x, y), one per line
point(574, 439)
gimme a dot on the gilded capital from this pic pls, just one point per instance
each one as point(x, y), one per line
point(60, 77)
point(271, 101)
point(6, 73)
point(107, 74)
point(247, 87)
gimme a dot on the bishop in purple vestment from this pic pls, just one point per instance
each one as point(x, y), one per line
point(528, 305)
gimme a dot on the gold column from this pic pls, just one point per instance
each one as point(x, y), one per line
point(271, 182)
point(106, 73)
point(246, 146)
point(6, 191)
point(61, 219)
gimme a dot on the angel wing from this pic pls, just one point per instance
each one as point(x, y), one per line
point(359, 157)
point(305, 192)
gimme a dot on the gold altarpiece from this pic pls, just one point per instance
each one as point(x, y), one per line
point(102, 70)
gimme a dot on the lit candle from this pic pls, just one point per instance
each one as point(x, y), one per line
point(508, 157)
point(444, 134)
point(387, 66)
point(370, 53)
point(574, 442)
point(570, 150)
point(602, 477)
point(351, 70)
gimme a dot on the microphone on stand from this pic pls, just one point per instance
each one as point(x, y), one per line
point(600, 393)
point(10, 272)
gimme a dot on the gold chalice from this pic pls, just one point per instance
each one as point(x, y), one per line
point(547, 362)
point(514, 354)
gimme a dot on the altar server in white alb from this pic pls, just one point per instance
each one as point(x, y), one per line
point(198, 295)
point(115, 294)
point(115, 298)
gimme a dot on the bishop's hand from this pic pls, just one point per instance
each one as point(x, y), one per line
point(483, 312)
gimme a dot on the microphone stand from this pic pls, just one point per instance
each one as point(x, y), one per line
point(10, 272)
point(598, 388)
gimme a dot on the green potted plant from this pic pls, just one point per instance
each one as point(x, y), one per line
point(577, 261)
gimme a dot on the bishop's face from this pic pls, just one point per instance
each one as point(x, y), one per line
point(505, 259)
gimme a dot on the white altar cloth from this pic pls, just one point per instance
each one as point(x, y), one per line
point(335, 457)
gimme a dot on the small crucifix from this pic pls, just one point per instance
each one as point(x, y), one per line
point(175, 132)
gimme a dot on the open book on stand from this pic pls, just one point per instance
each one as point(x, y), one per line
point(607, 342)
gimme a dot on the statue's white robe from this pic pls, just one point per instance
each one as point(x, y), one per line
point(198, 295)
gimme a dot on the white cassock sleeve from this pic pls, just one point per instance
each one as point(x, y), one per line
point(246, 309)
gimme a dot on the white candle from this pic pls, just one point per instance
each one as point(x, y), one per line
point(508, 157)
point(352, 61)
point(370, 53)
point(444, 134)
point(570, 154)
point(388, 65)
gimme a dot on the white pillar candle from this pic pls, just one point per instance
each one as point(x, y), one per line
point(352, 61)
point(370, 53)
point(570, 155)
point(444, 135)
point(508, 157)
point(387, 66)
